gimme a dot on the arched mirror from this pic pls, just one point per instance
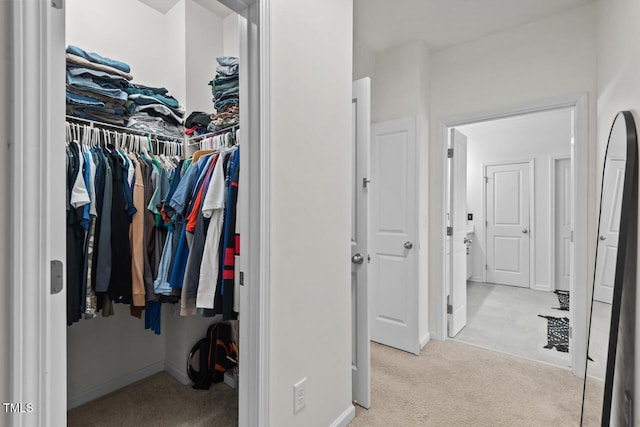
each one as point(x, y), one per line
point(607, 397)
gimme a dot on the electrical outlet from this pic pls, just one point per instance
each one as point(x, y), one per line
point(299, 395)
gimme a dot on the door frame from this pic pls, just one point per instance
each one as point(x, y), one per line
point(531, 162)
point(580, 166)
point(37, 355)
point(553, 160)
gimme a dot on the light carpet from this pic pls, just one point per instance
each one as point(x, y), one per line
point(160, 401)
point(454, 384)
point(449, 384)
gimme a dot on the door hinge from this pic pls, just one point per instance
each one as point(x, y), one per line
point(365, 182)
point(368, 259)
point(571, 239)
point(486, 179)
point(58, 4)
point(449, 309)
point(449, 231)
point(449, 153)
point(486, 266)
point(486, 223)
point(242, 278)
point(570, 332)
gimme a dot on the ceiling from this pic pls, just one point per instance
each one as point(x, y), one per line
point(163, 6)
point(382, 24)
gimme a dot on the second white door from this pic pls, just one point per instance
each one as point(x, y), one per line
point(508, 224)
point(394, 213)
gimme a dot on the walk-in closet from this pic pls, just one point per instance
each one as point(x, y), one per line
point(154, 211)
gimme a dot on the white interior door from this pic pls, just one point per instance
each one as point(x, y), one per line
point(458, 220)
point(394, 213)
point(508, 228)
point(361, 358)
point(609, 230)
point(563, 214)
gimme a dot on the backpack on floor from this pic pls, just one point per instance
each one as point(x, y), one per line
point(212, 356)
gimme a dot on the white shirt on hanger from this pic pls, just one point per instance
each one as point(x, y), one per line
point(212, 207)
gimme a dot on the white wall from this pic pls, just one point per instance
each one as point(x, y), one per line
point(204, 42)
point(538, 136)
point(549, 58)
point(174, 68)
point(400, 87)
point(6, 44)
point(139, 38)
point(107, 349)
point(619, 89)
point(364, 61)
point(231, 37)
point(310, 329)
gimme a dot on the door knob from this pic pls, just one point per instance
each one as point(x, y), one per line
point(466, 240)
point(408, 245)
point(603, 237)
point(357, 259)
point(525, 231)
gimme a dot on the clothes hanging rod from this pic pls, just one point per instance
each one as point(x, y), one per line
point(195, 140)
point(97, 124)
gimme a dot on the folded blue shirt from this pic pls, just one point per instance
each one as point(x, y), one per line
point(79, 99)
point(103, 76)
point(91, 86)
point(98, 59)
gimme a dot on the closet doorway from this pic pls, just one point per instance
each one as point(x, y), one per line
point(476, 222)
point(44, 337)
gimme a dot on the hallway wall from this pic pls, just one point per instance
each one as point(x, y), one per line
point(310, 269)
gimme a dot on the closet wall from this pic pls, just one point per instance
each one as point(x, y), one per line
point(175, 50)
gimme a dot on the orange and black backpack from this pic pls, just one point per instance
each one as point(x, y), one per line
point(212, 356)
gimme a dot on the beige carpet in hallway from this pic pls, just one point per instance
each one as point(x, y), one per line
point(454, 384)
point(160, 401)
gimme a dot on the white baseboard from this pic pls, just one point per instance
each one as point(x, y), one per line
point(177, 373)
point(424, 340)
point(345, 418)
point(476, 279)
point(540, 287)
point(100, 390)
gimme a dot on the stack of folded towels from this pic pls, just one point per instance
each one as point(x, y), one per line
point(225, 87)
point(100, 89)
point(96, 87)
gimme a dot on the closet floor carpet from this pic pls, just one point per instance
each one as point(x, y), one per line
point(160, 401)
point(455, 384)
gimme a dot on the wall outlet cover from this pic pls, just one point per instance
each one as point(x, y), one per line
point(299, 395)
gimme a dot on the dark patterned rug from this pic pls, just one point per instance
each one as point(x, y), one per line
point(563, 298)
point(557, 333)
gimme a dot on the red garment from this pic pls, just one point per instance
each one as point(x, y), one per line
point(197, 203)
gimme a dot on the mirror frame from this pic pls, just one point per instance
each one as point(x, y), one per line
point(628, 223)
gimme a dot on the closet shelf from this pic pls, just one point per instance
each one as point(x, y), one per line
point(195, 140)
point(102, 125)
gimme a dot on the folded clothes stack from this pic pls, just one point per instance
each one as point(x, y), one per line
point(154, 110)
point(96, 87)
point(225, 88)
